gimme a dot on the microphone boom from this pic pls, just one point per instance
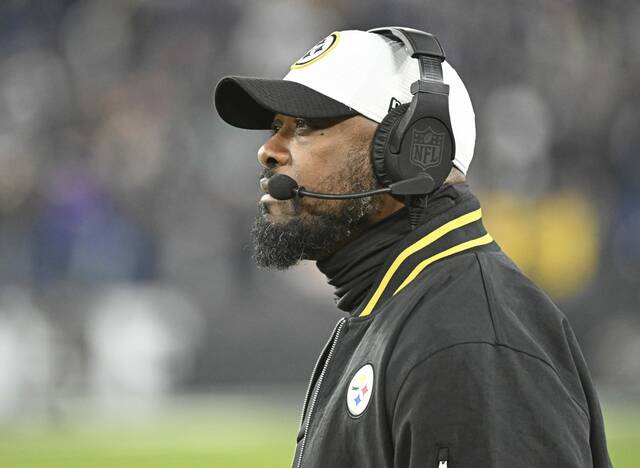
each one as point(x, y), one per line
point(283, 187)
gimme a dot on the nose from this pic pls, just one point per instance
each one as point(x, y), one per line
point(274, 152)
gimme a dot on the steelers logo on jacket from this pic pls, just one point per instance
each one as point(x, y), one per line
point(360, 390)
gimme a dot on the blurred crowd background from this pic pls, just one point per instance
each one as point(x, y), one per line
point(125, 202)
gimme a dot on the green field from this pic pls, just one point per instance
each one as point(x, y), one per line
point(230, 434)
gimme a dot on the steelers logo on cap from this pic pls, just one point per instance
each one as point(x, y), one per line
point(318, 51)
point(360, 390)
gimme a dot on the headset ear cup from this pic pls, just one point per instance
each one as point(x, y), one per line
point(380, 143)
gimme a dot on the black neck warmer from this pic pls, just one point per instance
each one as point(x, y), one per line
point(353, 268)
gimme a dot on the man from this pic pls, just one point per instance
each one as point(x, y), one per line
point(450, 356)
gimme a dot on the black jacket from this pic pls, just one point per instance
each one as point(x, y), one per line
point(453, 359)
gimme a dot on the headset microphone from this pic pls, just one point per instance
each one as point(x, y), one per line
point(283, 187)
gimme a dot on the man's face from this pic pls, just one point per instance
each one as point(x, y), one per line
point(323, 156)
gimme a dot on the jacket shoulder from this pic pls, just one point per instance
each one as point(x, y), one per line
point(482, 297)
point(452, 308)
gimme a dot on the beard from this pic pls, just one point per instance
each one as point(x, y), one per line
point(316, 233)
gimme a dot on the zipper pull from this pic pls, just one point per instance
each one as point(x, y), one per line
point(443, 457)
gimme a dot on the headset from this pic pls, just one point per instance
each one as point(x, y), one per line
point(413, 147)
point(416, 139)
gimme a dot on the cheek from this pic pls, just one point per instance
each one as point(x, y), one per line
point(331, 165)
point(312, 168)
point(332, 180)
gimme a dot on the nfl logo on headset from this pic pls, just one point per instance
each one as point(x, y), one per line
point(426, 148)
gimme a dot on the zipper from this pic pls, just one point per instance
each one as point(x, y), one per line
point(443, 457)
point(311, 402)
point(315, 371)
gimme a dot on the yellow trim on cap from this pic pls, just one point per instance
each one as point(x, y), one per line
point(413, 248)
point(486, 239)
point(295, 66)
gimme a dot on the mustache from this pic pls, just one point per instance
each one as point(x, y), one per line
point(267, 173)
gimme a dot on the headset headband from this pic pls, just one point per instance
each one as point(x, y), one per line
point(423, 46)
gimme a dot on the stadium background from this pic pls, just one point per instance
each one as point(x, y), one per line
point(134, 328)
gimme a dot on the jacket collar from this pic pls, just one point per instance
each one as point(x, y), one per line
point(353, 269)
point(454, 225)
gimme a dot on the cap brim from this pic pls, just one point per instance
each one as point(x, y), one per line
point(252, 102)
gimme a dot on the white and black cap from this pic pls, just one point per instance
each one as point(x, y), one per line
point(347, 73)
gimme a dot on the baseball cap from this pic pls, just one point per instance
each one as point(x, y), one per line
point(346, 73)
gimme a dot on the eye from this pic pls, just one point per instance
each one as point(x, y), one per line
point(302, 124)
point(275, 126)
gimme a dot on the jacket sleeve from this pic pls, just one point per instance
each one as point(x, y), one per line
point(487, 405)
